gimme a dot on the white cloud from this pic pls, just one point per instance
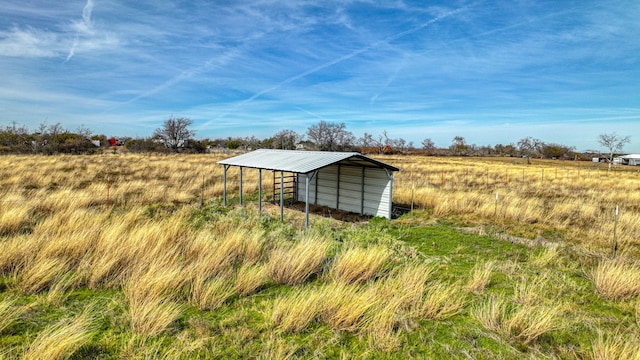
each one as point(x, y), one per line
point(29, 42)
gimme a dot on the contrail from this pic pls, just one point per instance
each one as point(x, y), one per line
point(186, 74)
point(309, 112)
point(86, 21)
point(340, 59)
point(391, 79)
point(86, 12)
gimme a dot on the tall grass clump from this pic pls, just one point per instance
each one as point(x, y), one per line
point(407, 283)
point(616, 280)
point(62, 339)
point(276, 347)
point(441, 301)
point(491, 313)
point(17, 252)
point(356, 265)
point(9, 313)
point(345, 307)
point(545, 258)
point(41, 274)
point(528, 292)
point(149, 315)
point(528, 323)
point(294, 264)
point(161, 278)
point(212, 257)
point(523, 323)
point(58, 291)
point(614, 347)
point(13, 218)
point(383, 328)
point(250, 278)
point(212, 293)
point(294, 312)
point(480, 277)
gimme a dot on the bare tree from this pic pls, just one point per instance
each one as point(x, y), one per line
point(286, 140)
point(174, 132)
point(428, 144)
point(400, 144)
point(330, 136)
point(459, 145)
point(366, 140)
point(54, 130)
point(529, 147)
point(381, 142)
point(251, 142)
point(84, 131)
point(614, 143)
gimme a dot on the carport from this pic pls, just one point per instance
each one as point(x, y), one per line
point(346, 181)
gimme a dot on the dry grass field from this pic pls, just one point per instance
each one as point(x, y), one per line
point(133, 256)
point(564, 200)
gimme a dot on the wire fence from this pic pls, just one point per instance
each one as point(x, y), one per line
point(114, 191)
point(492, 178)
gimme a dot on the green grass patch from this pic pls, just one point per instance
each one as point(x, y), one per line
point(517, 276)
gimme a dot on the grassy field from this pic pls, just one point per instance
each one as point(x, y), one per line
point(133, 256)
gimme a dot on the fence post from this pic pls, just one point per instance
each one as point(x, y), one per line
point(413, 187)
point(108, 188)
point(614, 246)
point(202, 192)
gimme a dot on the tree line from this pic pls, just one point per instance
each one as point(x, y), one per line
point(48, 139)
point(175, 135)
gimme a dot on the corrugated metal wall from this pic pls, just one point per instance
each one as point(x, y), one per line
point(354, 189)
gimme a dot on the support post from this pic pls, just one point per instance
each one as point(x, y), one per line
point(240, 185)
point(281, 197)
point(614, 246)
point(260, 191)
point(306, 199)
point(362, 193)
point(202, 192)
point(315, 196)
point(306, 202)
point(224, 189)
point(391, 196)
point(390, 176)
point(338, 189)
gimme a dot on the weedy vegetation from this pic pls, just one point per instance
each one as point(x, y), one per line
point(133, 256)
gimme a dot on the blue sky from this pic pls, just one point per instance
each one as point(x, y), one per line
point(490, 71)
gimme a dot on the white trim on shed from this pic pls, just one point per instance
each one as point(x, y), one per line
point(346, 181)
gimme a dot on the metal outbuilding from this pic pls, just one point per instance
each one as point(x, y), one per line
point(346, 181)
point(631, 159)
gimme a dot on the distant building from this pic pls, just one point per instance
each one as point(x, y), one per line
point(115, 142)
point(631, 159)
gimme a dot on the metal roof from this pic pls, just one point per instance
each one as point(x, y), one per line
point(299, 161)
point(630, 156)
